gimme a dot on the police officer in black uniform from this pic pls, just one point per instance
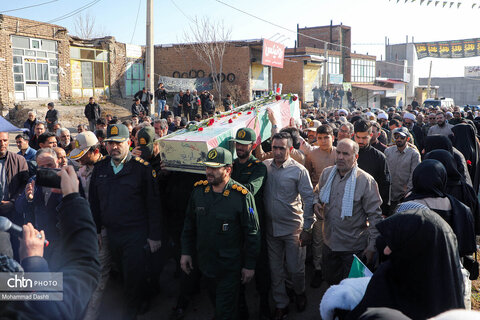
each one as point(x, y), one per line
point(251, 173)
point(124, 199)
point(221, 227)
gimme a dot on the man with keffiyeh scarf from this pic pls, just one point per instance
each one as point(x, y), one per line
point(348, 197)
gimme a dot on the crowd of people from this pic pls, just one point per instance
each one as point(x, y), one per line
point(397, 187)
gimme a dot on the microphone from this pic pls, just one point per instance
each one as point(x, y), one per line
point(7, 225)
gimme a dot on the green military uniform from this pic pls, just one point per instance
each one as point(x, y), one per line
point(252, 175)
point(222, 230)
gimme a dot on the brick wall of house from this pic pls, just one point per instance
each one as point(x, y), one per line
point(237, 60)
point(29, 28)
point(291, 76)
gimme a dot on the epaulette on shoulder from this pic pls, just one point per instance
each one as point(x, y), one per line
point(240, 189)
point(146, 163)
point(200, 183)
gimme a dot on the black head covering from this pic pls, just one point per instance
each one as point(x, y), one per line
point(464, 139)
point(437, 141)
point(429, 180)
point(423, 276)
point(383, 314)
point(448, 161)
point(457, 186)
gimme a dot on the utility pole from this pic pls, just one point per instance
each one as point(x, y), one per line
point(149, 64)
point(429, 80)
point(325, 66)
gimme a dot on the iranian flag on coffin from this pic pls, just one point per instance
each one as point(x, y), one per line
point(184, 149)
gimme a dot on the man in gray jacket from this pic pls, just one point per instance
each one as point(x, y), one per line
point(288, 202)
point(177, 104)
point(347, 199)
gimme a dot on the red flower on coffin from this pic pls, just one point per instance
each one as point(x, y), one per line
point(200, 129)
point(211, 122)
point(249, 112)
point(230, 120)
point(295, 98)
point(278, 98)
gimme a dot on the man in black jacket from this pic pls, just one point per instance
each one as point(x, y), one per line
point(372, 161)
point(209, 106)
point(78, 261)
point(416, 131)
point(52, 116)
point(92, 112)
point(187, 104)
point(125, 200)
point(161, 95)
point(137, 107)
point(145, 98)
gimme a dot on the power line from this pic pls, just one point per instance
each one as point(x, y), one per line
point(281, 27)
point(66, 15)
point(181, 11)
point(292, 31)
point(136, 20)
point(27, 7)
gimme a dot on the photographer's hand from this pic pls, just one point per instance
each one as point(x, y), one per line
point(69, 182)
point(32, 243)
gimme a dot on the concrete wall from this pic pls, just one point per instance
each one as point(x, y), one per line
point(462, 91)
point(389, 70)
point(396, 53)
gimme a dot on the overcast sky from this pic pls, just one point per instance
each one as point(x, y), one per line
point(371, 21)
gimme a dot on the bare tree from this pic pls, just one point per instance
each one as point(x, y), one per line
point(208, 40)
point(86, 28)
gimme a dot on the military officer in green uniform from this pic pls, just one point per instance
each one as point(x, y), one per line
point(221, 229)
point(251, 173)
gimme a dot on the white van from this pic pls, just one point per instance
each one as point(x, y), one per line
point(442, 102)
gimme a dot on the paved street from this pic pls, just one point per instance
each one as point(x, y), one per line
point(200, 308)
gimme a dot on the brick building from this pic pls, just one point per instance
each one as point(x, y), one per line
point(99, 68)
point(242, 71)
point(303, 70)
point(34, 60)
point(41, 62)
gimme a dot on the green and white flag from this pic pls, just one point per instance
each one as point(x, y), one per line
point(358, 269)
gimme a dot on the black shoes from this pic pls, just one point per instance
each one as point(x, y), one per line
point(301, 302)
point(280, 313)
point(317, 279)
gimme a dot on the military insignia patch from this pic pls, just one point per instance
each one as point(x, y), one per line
point(226, 193)
point(249, 165)
point(241, 134)
point(212, 154)
point(154, 173)
point(114, 131)
point(234, 187)
point(244, 191)
point(252, 212)
point(142, 141)
point(207, 189)
point(205, 182)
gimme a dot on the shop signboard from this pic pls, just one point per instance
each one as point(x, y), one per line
point(272, 54)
